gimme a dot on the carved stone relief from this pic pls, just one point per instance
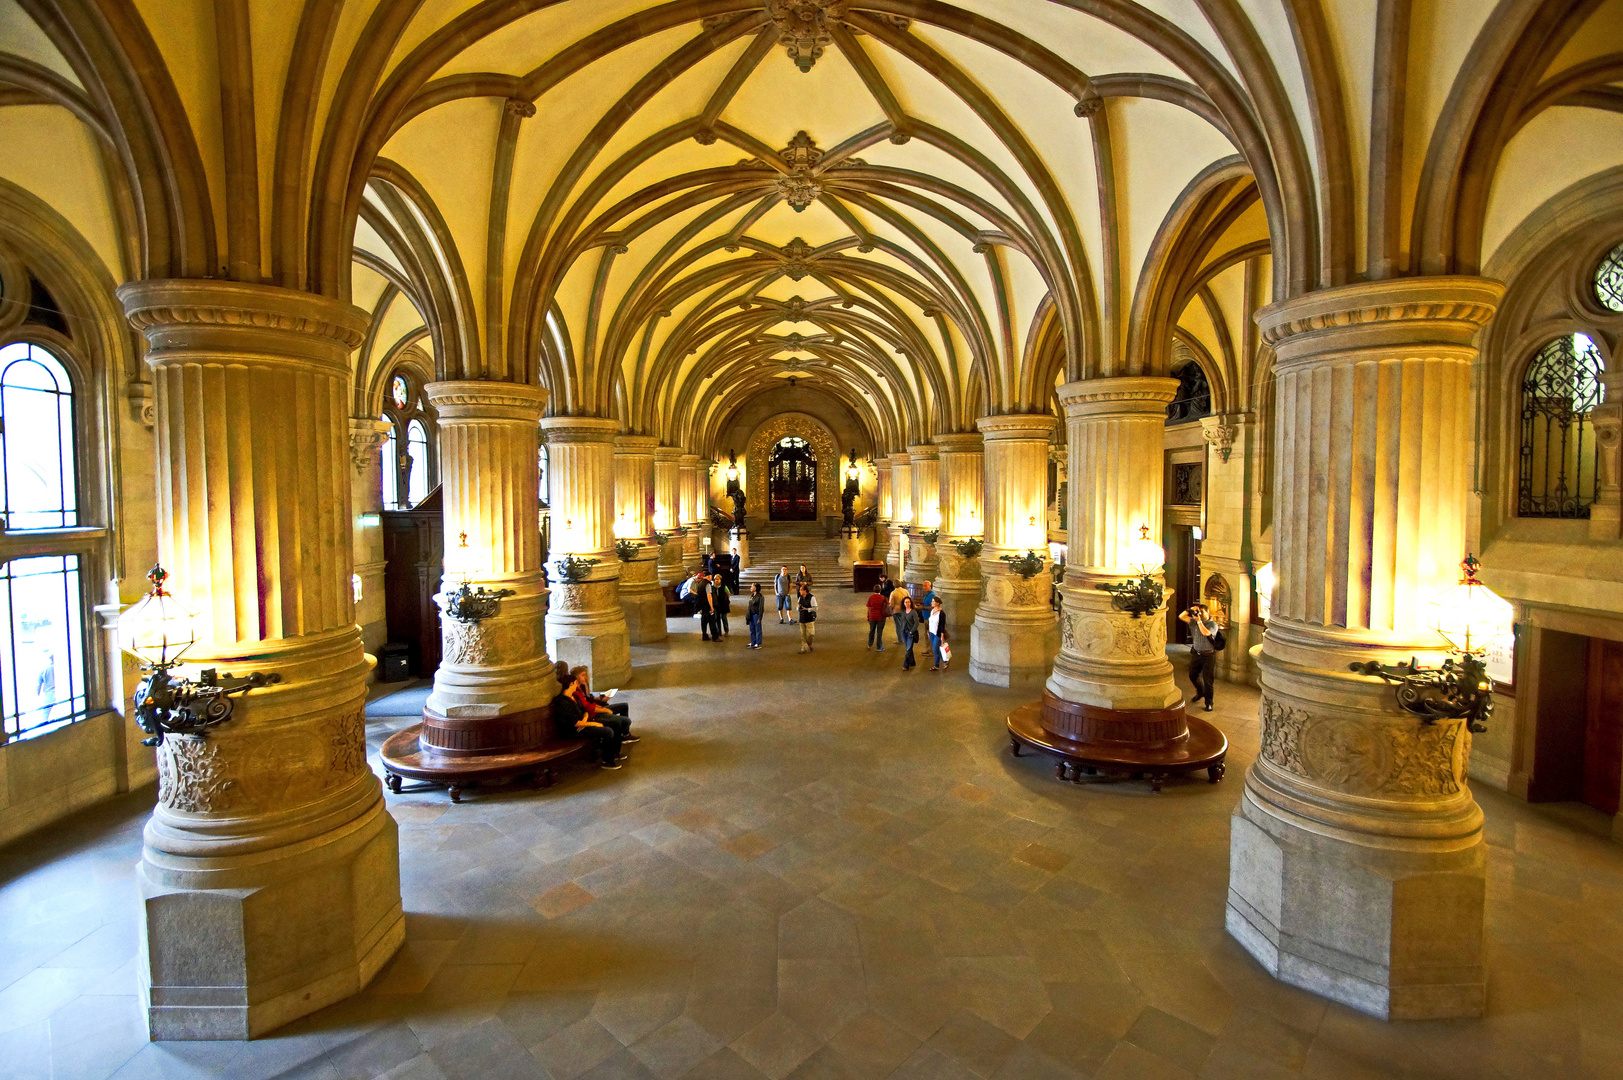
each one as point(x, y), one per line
point(346, 748)
point(587, 596)
point(192, 777)
point(490, 642)
point(1361, 757)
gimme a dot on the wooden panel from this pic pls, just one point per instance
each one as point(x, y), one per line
point(1603, 727)
point(1559, 662)
point(414, 545)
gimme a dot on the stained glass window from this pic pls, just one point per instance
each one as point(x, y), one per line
point(1609, 280)
point(36, 439)
point(400, 391)
point(1559, 392)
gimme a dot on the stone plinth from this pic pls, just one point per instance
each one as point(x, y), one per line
point(739, 545)
point(1108, 659)
point(958, 579)
point(489, 483)
point(641, 598)
point(855, 546)
point(586, 625)
point(1356, 854)
point(269, 875)
point(1015, 635)
point(695, 511)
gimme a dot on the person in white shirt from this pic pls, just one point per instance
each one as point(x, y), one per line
point(936, 627)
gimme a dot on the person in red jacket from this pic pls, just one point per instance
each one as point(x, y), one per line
point(878, 612)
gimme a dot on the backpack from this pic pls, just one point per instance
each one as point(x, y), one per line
point(1219, 641)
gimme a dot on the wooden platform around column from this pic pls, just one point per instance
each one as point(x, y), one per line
point(406, 756)
point(1152, 756)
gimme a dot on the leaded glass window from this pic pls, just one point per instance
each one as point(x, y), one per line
point(390, 472)
point(1559, 394)
point(42, 672)
point(37, 440)
point(400, 391)
point(1609, 280)
point(417, 470)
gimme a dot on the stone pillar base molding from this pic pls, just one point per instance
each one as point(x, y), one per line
point(586, 626)
point(921, 564)
point(852, 549)
point(1015, 636)
point(692, 558)
point(1109, 659)
point(740, 546)
point(671, 568)
point(641, 598)
point(958, 581)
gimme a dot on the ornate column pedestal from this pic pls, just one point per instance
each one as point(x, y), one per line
point(901, 517)
point(1015, 635)
point(641, 598)
point(586, 626)
point(668, 512)
point(695, 516)
point(958, 579)
point(366, 439)
point(926, 479)
point(1356, 853)
point(269, 874)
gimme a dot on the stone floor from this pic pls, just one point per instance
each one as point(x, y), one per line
point(819, 867)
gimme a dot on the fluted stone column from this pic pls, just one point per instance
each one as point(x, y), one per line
point(901, 510)
point(489, 486)
point(668, 511)
point(963, 483)
point(1232, 440)
point(926, 480)
point(366, 438)
point(882, 526)
point(585, 623)
point(1116, 433)
point(695, 519)
point(1356, 853)
point(640, 595)
point(269, 874)
point(1015, 636)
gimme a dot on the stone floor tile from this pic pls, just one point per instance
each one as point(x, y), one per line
point(973, 1043)
point(1130, 1062)
point(576, 1049)
point(561, 900)
point(675, 1048)
point(1167, 1036)
point(421, 1067)
point(620, 1065)
point(1029, 1063)
point(364, 1054)
point(724, 1064)
point(925, 1063)
point(776, 1046)
point(632, 1012)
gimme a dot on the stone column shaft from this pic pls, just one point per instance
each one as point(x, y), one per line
point(963, 484)
point(1015, 636)
point(585, 622)
point(489, 485)
point(1356, 857)
point(366, 439)
point(693, 512)
point(641, 598)
point(901, 511)
point(1116, 433)
point(270, 868)
point(1232, 440)
point(668, 511)
point(925, 476)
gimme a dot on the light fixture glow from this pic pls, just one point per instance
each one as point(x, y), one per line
point(1471, 617)
point(1144, 555)
point(1265, 590)
point(158, 628)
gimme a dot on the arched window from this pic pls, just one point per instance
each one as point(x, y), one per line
point(1609, 280)
point(37, 440)
point(1194, 397)
point(390, 472)
point(42, 603)
point(417, 469)
point(1559, 392)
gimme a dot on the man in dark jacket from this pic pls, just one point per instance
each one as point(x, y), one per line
point(569, 722)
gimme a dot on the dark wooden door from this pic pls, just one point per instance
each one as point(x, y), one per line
point(414, 545)
point(792, 482)
point(1603, 726)
point(1183, 577)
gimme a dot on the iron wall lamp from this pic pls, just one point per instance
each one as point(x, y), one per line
point(1027, 566)
point(470, 603)
point(1146, 593)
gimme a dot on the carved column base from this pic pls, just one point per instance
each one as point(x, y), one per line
point(958, 582)
point(1109, 659)
point(922, 565)
point(642, 600)
point(1356, 854)
point(494, 666)
point(586, 626)
point(1015, 636)
point(692, 558)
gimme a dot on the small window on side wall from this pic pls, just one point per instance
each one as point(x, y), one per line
point(36, 440)
point(1560, 391)
point(1609, 280)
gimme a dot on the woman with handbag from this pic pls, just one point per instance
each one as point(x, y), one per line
point(907, 629)
point(808, 618)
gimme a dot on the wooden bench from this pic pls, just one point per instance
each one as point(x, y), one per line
point(404, 757)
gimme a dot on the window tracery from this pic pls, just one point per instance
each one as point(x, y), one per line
point(1560, 391)
point(1609, 280)
point(411, 445)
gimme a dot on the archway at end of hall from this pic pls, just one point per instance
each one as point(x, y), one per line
point(792, 469)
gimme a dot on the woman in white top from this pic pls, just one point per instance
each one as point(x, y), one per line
point(936, 627)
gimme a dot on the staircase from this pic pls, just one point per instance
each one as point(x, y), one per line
point(821, 556)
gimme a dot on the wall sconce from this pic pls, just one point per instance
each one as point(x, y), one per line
point(1471, 617)
point(1145, 594)
point(469, 603)
point(732, 467)
point(1027, 566)
point(158, 630)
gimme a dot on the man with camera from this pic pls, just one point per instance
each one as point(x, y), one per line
point(1205, 639)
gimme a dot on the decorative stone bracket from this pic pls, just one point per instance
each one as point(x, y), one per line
point(1220, 432)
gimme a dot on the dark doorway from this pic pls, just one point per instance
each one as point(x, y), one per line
point(414, 544)
point(792, 481)
point(1603, 726)
point(1578, 748)
point(1183, 577)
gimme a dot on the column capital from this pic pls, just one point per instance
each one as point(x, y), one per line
point(668, 453)
point(1440, 315)
point(1017, 425)
point(689, 461)
point(281, 325)
point(635, 444)
point(1131, 395)
point(923, 450)
point(901, 457)
point(960, 442)
point(579, 429)
point(481, 399)
point(366, 437)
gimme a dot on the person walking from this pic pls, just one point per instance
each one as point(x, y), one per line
point(926, 598)
point(808, 618)
point(907, 632)
point(898, 595)
point(803, 578)
point(935, 624)
point(755, 613)
point(705, 603)
point(783, 587)
point(878, 612)
point(723, 597)
point(1203, 634)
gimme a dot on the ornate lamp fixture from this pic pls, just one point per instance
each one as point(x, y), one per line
point(470, 603)
point(158, 630)
point(732, 467)
point(1146, 593)
point(1027, 566)
point(1471, 617)
point(970, 548)
point(626, 550)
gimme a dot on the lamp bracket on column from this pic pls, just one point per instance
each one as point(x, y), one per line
point(165, 705)
point(474, 603)
point(1027, 566)
point(970, 548)
point(1140, 596)
point(930, 536)
point(626, 550)
point(1457, 689)
point(573, 569)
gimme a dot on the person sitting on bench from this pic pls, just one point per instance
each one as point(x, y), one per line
point(596, 706)
point(569, 721)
